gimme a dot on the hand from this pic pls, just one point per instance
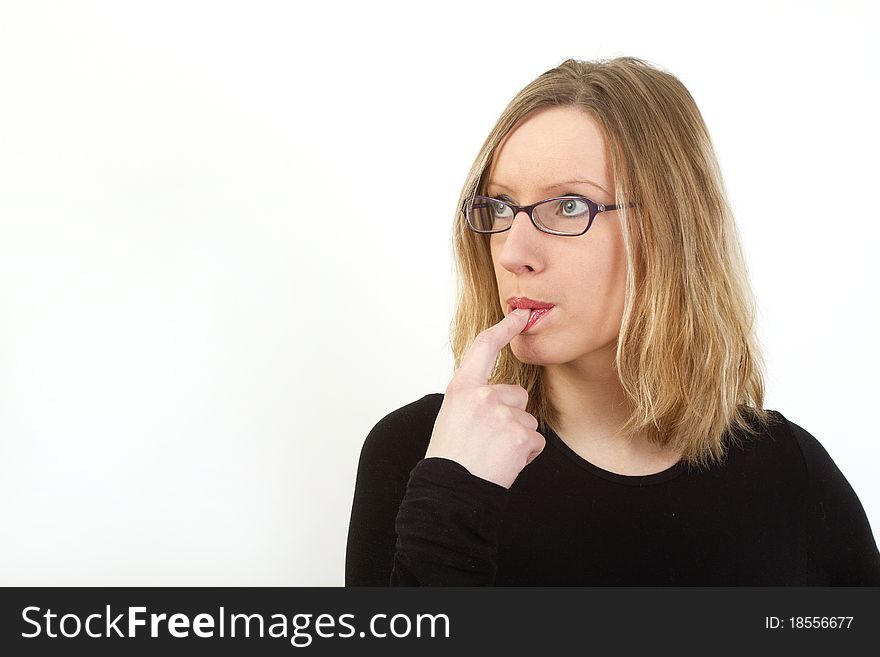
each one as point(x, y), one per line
point(485, 427)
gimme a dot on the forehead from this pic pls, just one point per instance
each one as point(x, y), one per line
point(549, 145)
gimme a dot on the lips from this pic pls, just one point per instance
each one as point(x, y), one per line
point(524, 302)
point(538, 309)
point(534, 317)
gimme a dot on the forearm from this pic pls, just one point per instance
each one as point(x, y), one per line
point(448, 527)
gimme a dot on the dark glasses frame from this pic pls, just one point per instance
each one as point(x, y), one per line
point(595, 208)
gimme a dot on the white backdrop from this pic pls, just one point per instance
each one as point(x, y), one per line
point(205, 305)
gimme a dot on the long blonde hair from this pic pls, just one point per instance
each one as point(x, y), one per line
point(687, 357)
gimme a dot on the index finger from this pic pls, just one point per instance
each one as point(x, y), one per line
point(479, 360)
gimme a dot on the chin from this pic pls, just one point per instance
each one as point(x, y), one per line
point(534, 354)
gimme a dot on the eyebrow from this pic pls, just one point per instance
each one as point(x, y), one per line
point(550, 188)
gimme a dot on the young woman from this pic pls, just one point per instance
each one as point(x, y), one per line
point(604, 425)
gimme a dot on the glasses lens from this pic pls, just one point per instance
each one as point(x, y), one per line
point(488, 214)
point(570, 215)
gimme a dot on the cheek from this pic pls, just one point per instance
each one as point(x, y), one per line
point(494, 246)
point(599, 282)
point(496, 267)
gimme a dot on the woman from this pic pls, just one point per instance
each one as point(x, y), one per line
point(604, 425)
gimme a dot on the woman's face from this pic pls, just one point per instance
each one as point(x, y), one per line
point(585, 276)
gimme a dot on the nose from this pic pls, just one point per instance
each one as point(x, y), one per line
point(520, 247)
point(525, 224)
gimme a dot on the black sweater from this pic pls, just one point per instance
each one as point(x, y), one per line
point(777, 512)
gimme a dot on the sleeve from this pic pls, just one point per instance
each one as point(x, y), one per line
point(379, 488)
point(432, 523)
point(841, 550)
point(448, 527)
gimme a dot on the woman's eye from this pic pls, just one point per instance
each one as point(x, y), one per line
point(500, 208)
point(572, 207)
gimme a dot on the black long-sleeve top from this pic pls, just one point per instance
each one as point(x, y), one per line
point(777, 512)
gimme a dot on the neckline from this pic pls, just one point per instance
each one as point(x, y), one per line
point(630, 480)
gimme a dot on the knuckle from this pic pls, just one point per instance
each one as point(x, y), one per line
point(496, 420)
point(539, 440)
point(485, 394)
point(518, 394)
point(500, 417)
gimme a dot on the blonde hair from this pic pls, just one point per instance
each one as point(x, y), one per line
point(687, 357)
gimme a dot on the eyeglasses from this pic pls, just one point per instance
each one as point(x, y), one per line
point(568, 216)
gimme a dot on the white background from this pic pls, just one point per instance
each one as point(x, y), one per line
point(205, 305)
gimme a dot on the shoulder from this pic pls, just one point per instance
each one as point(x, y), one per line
point(402, 436)
point(822, 484)
point(786, 442)
point(416, 412)
point(770, 454)
point(816, 458)
point(841, 550)
point(779, 459)
point(817, 462)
